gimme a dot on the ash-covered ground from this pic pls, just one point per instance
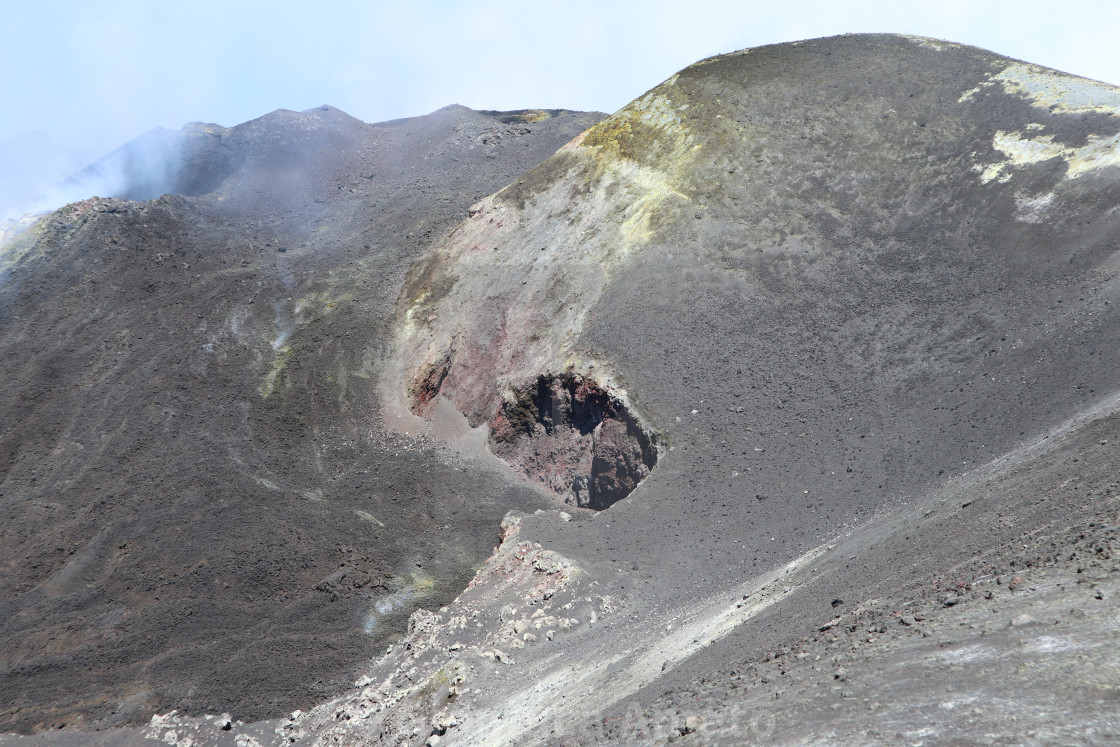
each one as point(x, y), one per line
point(201, 507)
point(809, 356)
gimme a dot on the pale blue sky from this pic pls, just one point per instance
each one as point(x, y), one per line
point(94, 75)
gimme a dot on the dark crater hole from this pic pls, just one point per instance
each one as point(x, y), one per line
point(575, 437)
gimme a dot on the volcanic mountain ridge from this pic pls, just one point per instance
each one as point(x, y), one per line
point(201, 508)
point(837, 322)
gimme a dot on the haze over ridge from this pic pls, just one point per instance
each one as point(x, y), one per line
point(94, 77)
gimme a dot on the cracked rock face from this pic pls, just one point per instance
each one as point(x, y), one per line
point(576, 438)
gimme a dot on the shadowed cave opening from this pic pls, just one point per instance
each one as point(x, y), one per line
point(575, 437)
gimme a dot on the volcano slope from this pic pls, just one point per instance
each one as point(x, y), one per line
point(811, 349)
point(199, 507)
point(842, 291)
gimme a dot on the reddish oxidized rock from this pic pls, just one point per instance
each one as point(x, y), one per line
point(576, 438)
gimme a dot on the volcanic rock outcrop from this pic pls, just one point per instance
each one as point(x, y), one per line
point(828, 333)
point(578, 436)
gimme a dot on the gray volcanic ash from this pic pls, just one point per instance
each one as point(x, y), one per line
point(799, 372)
point(201, 510)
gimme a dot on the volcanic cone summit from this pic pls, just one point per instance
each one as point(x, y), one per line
point(824, 334)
